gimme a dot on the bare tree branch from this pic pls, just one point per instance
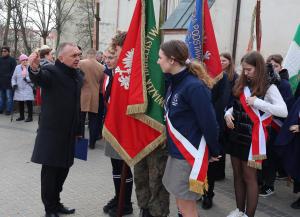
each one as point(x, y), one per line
point(63, 14)
point(86, 25)
point(43, 9)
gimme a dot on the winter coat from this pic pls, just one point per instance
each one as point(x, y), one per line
point(24, 88)
point(190, 110)
point(297, 92)
point(285, 89)
point(231, 86)
point(93, 73)
point(59, 119)
point(7, 67)
point(287, 144)
point(220, 95)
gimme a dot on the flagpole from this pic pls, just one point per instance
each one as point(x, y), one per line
point(236, 29)
point(258, 26)
point(121, 198)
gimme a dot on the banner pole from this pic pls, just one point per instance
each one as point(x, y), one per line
point(121, 198)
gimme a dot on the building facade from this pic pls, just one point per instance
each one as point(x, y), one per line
point(279, 22)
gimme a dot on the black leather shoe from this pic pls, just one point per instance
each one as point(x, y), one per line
point(145, 213)
point(92, 146)
point(65, 210)
point(20, 119)
point(111, 204)
point(296, 204)
point(126, 211)
point(51, 215)
point(28, 120)
point(207, 202)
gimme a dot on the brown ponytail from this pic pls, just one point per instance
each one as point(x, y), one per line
point(199, 70)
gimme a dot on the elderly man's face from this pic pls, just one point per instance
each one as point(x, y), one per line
point(99, 57)
point(70, 56)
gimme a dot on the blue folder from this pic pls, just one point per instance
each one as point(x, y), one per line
point(81, 148)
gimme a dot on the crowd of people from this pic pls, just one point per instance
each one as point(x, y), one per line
point(251, 115)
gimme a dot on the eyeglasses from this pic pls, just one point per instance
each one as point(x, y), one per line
point(110, 57)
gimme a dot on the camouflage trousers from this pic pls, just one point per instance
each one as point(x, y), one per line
point(150, 192)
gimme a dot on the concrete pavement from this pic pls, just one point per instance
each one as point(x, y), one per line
point(89, 184)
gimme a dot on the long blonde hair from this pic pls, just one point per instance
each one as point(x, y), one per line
point(199, 70)
point(177, 50)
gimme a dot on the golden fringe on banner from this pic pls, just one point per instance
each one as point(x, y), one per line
point(138, 108)
point(259, 157)
point(141, 108)
point(198, 187)
point(132, 161)
point(254, 164)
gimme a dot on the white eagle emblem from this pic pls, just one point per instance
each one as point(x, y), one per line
point(207, 55)
point(124, 78)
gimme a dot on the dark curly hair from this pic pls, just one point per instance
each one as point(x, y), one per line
point(118, 39)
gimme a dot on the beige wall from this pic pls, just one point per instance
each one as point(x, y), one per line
point(116, 15)
point(279, 22)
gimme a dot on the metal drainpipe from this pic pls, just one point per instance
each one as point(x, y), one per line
point(236, 29)
point(97, 17)
point(117, 24)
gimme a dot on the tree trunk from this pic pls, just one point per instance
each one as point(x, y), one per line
point(23, 31)
point(57, 38)
point(16, 38)
point(45, 39)
point(5, 37)
point(24, 36)
point(58, 34)
point(90, 20)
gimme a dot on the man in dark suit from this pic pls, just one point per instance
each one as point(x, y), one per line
point(59, 122)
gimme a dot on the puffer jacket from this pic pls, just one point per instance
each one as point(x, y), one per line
point(24, 87)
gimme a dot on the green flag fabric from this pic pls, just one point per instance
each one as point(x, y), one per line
point(292, 60)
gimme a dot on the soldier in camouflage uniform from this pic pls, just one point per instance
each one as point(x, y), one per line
point(152, 197)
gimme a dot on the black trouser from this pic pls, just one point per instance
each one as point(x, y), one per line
point(216, 171)
point(296, 186)
point(117, 166)
point(271, 165)
point(52, 180)
point(93, 126)
point(29, 107)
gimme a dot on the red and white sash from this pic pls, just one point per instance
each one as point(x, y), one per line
point(105, 84)
point(257, 151)
point(197, 158)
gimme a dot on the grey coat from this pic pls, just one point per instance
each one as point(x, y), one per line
point(24, 91)
point(111, 152)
